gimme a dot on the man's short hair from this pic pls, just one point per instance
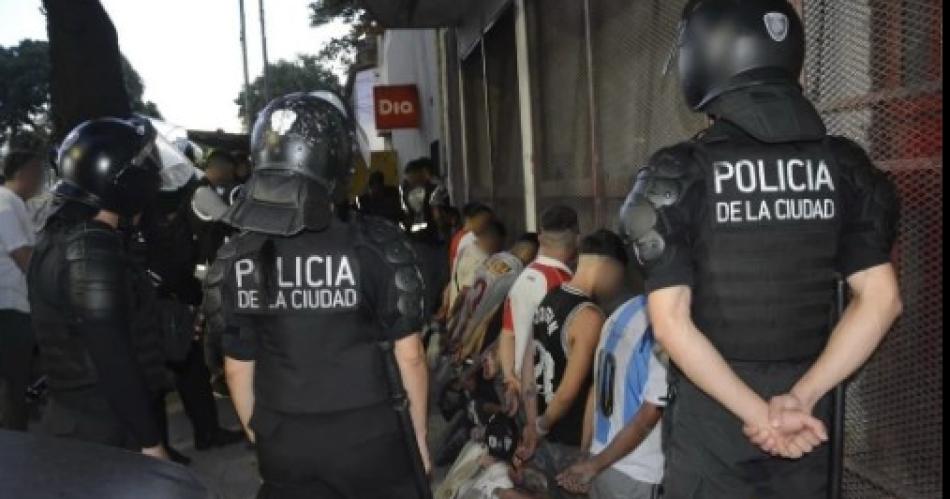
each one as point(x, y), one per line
point(604, 243)
point(15, 161)
point(475, 209)
point(495, 228)
point(529, 238)
point(559, 219)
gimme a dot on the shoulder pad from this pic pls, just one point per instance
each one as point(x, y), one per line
point(97, 272)
point(242, 244)
point(93, 241)
point(668, 174)
point(712, 135)
point(660, 186)
point(387, 241)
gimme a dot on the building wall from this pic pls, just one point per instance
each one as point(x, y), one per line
point(412, 57)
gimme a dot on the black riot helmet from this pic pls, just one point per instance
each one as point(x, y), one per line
point(302, 147)
point(308, 134)
point(110, 164)
point(726, 45)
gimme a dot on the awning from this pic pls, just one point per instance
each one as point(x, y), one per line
point(403, 14)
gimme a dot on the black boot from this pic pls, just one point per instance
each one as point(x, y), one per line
point(177, 457)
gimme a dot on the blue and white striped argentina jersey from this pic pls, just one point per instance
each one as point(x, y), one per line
point(627, 374)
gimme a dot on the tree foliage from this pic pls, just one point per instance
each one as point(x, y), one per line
point(25, 91)
point(342, 50)
point(307, 74)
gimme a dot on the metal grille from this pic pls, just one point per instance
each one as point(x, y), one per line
point(638, 109)
point(562, 106)
point(477, 144)
point(875, 70)
point(501, 69)
point(589, 154)
point(455, 157)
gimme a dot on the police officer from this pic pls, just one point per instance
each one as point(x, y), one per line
point(91, 304)
point(167, 249)
point(219, 181)
point(308, 300)
point(741, 232)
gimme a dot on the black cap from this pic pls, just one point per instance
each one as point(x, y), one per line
point(726, 45)
point(501, 437)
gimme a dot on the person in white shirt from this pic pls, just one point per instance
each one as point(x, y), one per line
point(477, 323)
point(623, 412)
point(488, 241)
point(23, 174)
point(559, 231)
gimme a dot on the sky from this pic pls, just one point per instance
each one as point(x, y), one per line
point(188, 52)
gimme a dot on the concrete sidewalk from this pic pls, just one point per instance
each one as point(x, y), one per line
point(231, 470)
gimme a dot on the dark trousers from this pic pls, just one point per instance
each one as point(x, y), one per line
point(193, 382)
point(358, 454)
point(85, 415)
point(433, 263)
point(16, 361)
point(708, 456)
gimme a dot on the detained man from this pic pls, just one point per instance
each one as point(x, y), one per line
point(623, 412)
point(559, 229)
point(557, 370)
point(488, 241)
point(477, 323)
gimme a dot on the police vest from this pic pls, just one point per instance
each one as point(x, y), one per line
point(765, 245)
point(66, 360)
point(550, 340)
point(317, 335)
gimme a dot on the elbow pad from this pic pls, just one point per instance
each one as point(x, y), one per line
point(655, 216)
point(404, 312)
point(97, 274)
point(871, 198)
point(213, 303)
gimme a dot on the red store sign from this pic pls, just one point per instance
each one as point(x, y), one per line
point(396, 106)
